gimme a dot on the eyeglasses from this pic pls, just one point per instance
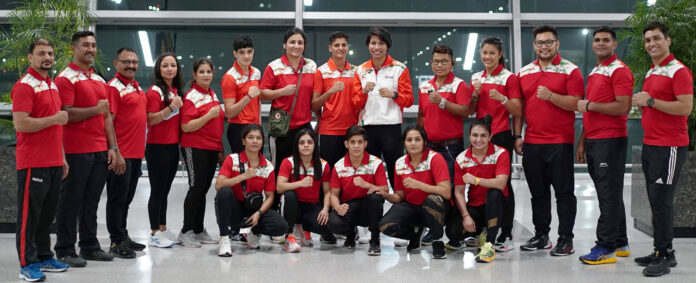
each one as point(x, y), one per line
point(547, 43)
point(129, 62)
point(441, 62)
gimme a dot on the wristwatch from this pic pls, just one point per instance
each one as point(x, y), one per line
point(396, 95)
point(505, 100)
point(650, 102)
point(442, 103)
point(114, 148)
point(515, 137)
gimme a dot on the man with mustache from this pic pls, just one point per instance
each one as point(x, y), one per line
point(90, 150)
point(40, 162)
point(127, 102)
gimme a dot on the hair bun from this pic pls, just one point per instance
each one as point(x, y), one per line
point(487, 120)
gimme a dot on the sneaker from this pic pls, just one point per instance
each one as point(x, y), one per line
point(298, 232)
point(157, 240)
point(427, 239)
point(623, 251)
point(31, 273)
point(307, 239)
point(52, 265)
point(134, 245)
point(73, 260)
point(537, 242)
point(564, 247)
point(399, 243)
point(454, 245)
point(189, 240)
point(375, 249)
point(350, 240)
point(97, 255)
point(365, 238)
point(225, 249)
point(277, 239)
point(646, 260)
point(471, 242)
point(291, 244)
point(599, 256)
point(238, 238)
point(414, 244)
point(328, 239)
point(253, 240)
point(658, 266)
point(121, 250)
point(487, 253)
point(439, 250)
point(504, 244)
point(205, 238)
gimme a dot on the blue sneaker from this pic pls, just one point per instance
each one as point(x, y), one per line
point(599, 256)
point(52, 265)
point(31, 273)
point(427, 239)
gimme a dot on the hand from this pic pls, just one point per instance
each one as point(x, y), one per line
point(323, 217)
point(495, 95)
point(412, 183)
point(176, 102)
point(336, 87)
point(385, 92)
point(254, 91)
point(582, 105)
point(477, 86)
point(469, 179)
point(640, 99)
point(469, 224)
point(434, 97)
point(376, 190)
point(249, 173)
point(116, 162)
point(103, 106)
point(288, 90)
point(580, 153)
point(369, 86)
point(306, 182)
point(342, 209)
point(360, 182)
point(253, 220)
point(221, 158)
point(213, 112)
point(66, 169)
point(544, 93)
point(518, 145)
point(61, 117)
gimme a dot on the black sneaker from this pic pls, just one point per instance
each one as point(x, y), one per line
point(97, 255)
point(427, 239)
point(537, 242)
point(646, 260)
point(375, 249)
point(238, 238)
point(439, 250)
point(121, 250)
point(73, 260)
point(658, 266)
point(328, 239)
point(414, 243)
point(350, 240)
point(564, 247)
point(133, 245)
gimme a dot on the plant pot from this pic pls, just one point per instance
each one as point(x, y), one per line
point(684, 198)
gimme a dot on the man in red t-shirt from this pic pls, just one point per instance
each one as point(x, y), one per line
point(90, 149)
point(41, 163)
point(604, 141)
point(128, 109)
point(666, 100)
point(551, 87)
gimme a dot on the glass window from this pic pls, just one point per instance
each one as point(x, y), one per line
point(492, 6)
point(586, 6)
point(412, 46)
point(187, 5)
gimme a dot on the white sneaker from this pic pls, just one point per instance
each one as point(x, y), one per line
point(205, 238)
point(504, 246)
point(277, 239)
point(225, 249)
point(298, 234)
point(189, 240)
point(157, 240)
point(169, 236)
point(398, 243)
point(252, 240)
point(364, 237)
point(291, 244)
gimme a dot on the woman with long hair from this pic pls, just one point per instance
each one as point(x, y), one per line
point(304, 183)
point(202, 123)
point(162, 148)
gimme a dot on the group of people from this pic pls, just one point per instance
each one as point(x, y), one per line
point(78, 132)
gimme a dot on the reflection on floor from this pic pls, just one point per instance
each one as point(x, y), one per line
point(335, 264)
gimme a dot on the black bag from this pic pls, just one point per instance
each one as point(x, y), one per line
point(279, 119)
point(253, 200)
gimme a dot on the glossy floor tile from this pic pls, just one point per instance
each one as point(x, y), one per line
point(336, 264)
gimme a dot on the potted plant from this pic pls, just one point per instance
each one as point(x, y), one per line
point(680, 16)
point(55, 20)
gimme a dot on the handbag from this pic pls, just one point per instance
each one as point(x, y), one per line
point(279, 119)
point(253, 200)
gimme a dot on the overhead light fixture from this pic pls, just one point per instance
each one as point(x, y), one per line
point(145, 44)
point(116, 1)
point(651, 2)
point(470, 47)
point(308, 3)
point(585, 31)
